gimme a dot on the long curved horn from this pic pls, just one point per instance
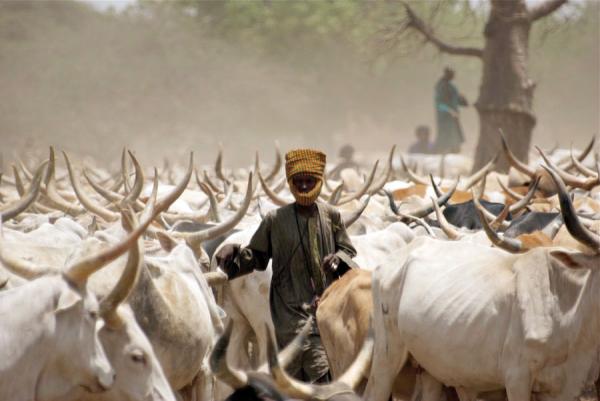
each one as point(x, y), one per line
point(224, 227)
point(213, 204)
point(580, 166)
point(305, 391)
point(499, 220)
point(386, 175)
point(125, 171)
point(363, 190)
point(126, 283)
point(55, 199)
point(523, 202)
point(164, 203)
point(18, 182)
point(218, 362)
point(574, 226)
point(282, 184)
point(276, 199)
point(392, 202)
point(582, 155)
point(570, 179)
point(87, 202)
point(21, 268)
point(292, 350)
point(79, 272)
point(477, 176)
point(335, 195)
point(226, 201)
point(508, 244)
point(404, 217)
point(107, 194)
point(411, 174)
point(516, 163)
point(426, 210)
point(448, 229)
point(350, 218)
point(138, 184)
point(28, 199)
point(435, 187)
point(219, 167)
point(509, 192)
point(209, 182)
point(277, 166)
point(26, 173)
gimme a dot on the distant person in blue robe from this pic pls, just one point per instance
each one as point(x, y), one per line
point(447, 101)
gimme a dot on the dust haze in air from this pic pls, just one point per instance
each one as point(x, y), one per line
point(91, 82)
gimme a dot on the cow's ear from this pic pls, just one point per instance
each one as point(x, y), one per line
point(67, 300)
point(166, 241)
point(572, 260)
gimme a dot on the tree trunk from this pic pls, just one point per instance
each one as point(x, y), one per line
point(506, 92)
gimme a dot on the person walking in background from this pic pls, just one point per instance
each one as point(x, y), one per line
point(346, 155)
point(447, 101)
point(422, 145)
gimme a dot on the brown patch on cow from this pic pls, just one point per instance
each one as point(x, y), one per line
point(535, 240)
point(461, 196)
point(263, 289)
point(418, 189)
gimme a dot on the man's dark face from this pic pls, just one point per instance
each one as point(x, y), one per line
point(303, 182)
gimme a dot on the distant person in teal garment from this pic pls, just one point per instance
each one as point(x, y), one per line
point(447, 101)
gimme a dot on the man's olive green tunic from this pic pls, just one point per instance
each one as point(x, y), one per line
point(297, 274)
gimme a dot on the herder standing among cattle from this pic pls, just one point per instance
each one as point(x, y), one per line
point(310, 248)
point(447, 101)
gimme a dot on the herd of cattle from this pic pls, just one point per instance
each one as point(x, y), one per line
point(484, 286)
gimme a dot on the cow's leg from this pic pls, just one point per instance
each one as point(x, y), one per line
point(386, 365)
point(466, 395)
point(431, 387)
point(203, 385)
point(237, 353)
point(518, 385)
point(260, 330)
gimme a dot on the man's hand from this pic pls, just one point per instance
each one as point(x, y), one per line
point(225, 257)
point(331, 262)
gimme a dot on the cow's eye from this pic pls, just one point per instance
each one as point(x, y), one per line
point(138, 357)
point(93, 315)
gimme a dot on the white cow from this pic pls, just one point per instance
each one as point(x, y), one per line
point(141, 377)
point(49, 341)
point(481, 319)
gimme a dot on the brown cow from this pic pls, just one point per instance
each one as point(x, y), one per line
point(343, 318)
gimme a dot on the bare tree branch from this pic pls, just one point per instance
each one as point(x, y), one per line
point(416, 23)
point(544, 9)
